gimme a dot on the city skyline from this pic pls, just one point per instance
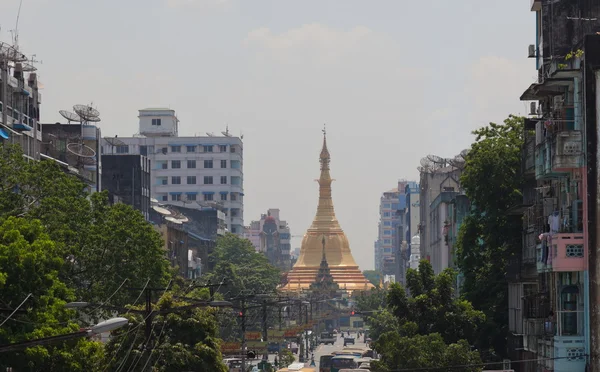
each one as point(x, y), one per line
point(276, 72)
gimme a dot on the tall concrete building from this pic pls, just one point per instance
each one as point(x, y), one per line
point(193, 172)
point(271, 236)
point(386, 238)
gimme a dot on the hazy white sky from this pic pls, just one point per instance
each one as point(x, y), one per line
point(394, 80)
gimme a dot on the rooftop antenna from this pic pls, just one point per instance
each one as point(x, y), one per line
point(15, 32)
point(226, 133)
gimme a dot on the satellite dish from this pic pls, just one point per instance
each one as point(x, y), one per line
point(81, 150)
point(436, 159)
point(173, 220)
point(183, 219)
point(114, 141)
point(153, 201)
point(163, 211)
point(70, 116)
point(210, 134)
point(87, 113)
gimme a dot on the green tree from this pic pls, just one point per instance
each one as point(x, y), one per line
point(103, 245)
point(286, 357)
point(488, 237)
point(424, 351)
point(373, 276)
point(245, 270)
point(30, 263)
point(181, 340)
point(369, 303)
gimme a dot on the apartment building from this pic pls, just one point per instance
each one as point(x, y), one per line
point(20, 101)
point(549, 278)
point(127, 180)
point(194, 172)
point(386, 237)
point(271, 236)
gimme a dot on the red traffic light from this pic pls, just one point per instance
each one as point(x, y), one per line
point(352, 313)
point(241, 313)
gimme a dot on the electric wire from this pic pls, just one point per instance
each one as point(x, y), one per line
point(131, 330)
point(480, 364)
point(151, 331)
point(15, 310)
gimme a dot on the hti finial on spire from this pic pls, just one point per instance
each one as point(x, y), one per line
point(324, 150)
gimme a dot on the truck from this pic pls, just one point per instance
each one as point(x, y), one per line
point(328, 338)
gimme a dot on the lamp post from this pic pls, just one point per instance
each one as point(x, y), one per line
point(105, 326)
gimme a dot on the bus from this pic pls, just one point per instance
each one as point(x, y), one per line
point(325, 363)
point(340, 362)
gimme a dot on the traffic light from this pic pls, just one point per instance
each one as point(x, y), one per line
point(251, 354)
point(352, 313)
point(241, 314)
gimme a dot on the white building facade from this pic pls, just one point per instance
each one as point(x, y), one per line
point(384, 246)
point(193, 172)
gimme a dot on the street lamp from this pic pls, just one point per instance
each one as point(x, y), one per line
point(105, 326)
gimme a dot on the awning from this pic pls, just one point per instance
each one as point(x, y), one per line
point(208, 192)
point(191, 192)
point(3, 134)
point(224, 192)
point(175, 193)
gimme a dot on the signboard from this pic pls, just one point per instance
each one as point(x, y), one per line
point(257, 346)
point(275, 335)
point(253, 336)
point(231, 347)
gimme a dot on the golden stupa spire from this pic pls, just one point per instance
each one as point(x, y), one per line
point(325, 217)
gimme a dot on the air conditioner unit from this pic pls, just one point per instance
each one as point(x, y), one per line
point(558, 102)
point(531, 51)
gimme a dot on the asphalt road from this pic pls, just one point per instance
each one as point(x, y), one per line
point(339, 345)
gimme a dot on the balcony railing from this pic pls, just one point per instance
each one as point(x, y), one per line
point(561, 149)
point(570, 323)
point(529, 156)
point(568, 252)
point(537, 306)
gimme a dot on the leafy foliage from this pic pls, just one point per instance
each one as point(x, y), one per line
point(424, 351)
point(488, 236)
point(286, 358)
point(30, 262)
point(180, 340)
point(373, 276)
point(431, 320)
point(246, 270)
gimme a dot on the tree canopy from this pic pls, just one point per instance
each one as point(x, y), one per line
point(430, 316)
point(487, 238)
point(373, 276)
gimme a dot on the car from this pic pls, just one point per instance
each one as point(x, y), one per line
point(348, 340)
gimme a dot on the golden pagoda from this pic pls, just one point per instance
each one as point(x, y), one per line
point(325, 233)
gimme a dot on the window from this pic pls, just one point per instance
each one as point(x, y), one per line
point(175, 148)
point(233, 197)
point(223, 180)
point(191, 197)
point(164, 181)
point(235, 164)
point(191, 164)
point(156, 122)
point(175, 180)
point(144, 150)
point(395, 206)
point(231, 149)
point(223, 148)
point(123, 149)
point(191, 180)
point(208, 163)
point(387, 241)
point(387, 223)
point(165, 198)
point(223, 163)
point(224, 197)
point(386, 214)
point(164, 150)
point(175, 164)
point(208, 180)
point(190, 148)
point(387, 250)
point(208, 197)
point(208, 148)
point(386, 206)
point(175, 197)
point(164, 165)
point(387, 232)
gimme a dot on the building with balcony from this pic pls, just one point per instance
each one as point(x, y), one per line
point(271, 236)
point(20, 101)
point(191, 172)
point(127, 180)
point(549, 317)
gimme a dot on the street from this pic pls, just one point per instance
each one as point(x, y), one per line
point(339, 345)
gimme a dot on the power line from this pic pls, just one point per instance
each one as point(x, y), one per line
point(18, 307)
point(482, 364)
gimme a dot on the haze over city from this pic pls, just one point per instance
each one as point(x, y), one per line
point(393, 80)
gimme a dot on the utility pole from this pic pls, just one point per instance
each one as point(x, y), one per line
point(243, 334)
